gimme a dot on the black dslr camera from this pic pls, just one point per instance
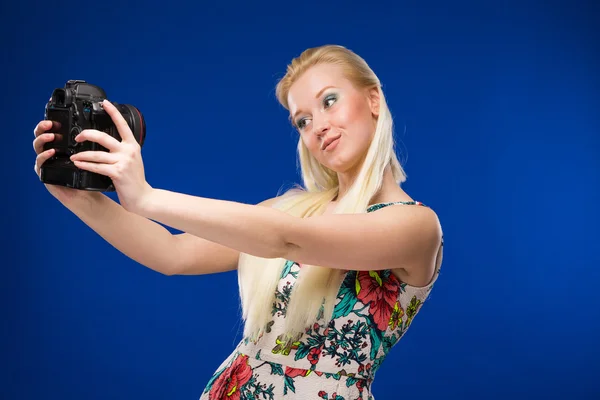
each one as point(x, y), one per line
point(76, 107)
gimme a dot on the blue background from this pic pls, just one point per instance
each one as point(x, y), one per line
point(496, 107)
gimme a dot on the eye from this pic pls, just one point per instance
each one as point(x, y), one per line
point(329, 100)
point(301, 123)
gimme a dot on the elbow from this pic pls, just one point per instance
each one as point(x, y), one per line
point(283, 250)
point(169, 270)
point(286, 246)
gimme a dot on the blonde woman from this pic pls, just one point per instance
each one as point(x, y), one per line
point(331, 273)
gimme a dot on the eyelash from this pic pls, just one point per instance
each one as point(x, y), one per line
point(325, 100)
point(329, 97)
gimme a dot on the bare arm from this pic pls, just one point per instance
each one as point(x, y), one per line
point(201, 256)
point(391, 238)
point(149, 243)
point(139, 238)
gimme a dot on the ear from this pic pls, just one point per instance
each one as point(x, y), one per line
point(374, 100)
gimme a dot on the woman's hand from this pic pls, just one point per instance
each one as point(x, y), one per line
point(43, 135)
point(122, 163)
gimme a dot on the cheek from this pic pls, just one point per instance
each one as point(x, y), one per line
point(358, 120)
point(310, 141)
point(347, 116)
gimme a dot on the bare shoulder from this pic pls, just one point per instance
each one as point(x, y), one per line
point(423, 225)
point(416, 220)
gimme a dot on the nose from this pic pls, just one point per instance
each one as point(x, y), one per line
point(322, 126)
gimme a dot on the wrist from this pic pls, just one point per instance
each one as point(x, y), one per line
point(85, 202)
point(147, 202)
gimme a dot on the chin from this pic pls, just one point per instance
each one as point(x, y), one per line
point(340, 167)
point(343, 163)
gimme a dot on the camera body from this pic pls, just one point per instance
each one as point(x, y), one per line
point(74, 108)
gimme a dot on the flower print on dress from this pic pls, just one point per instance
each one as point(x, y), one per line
point(229, 383)
point(378, 289)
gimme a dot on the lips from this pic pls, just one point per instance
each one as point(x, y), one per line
point(328, 141)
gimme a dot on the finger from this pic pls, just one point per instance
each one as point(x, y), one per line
point(41, 140)
point(45, 126)
point(95, 156)
point(102, 169)
point(102, 138)
point(119, 121)
point(41, 159)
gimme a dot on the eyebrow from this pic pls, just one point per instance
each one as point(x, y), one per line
point(316, 97)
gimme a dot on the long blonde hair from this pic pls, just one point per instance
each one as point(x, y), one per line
point(315, 291)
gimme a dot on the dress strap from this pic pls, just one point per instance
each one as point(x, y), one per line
point(377, 206)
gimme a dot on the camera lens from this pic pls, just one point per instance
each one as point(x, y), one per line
point(135, 120)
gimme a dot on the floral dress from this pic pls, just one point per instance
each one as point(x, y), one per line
point(335, 362)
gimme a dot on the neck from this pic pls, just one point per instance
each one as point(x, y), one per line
point(388, 185)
